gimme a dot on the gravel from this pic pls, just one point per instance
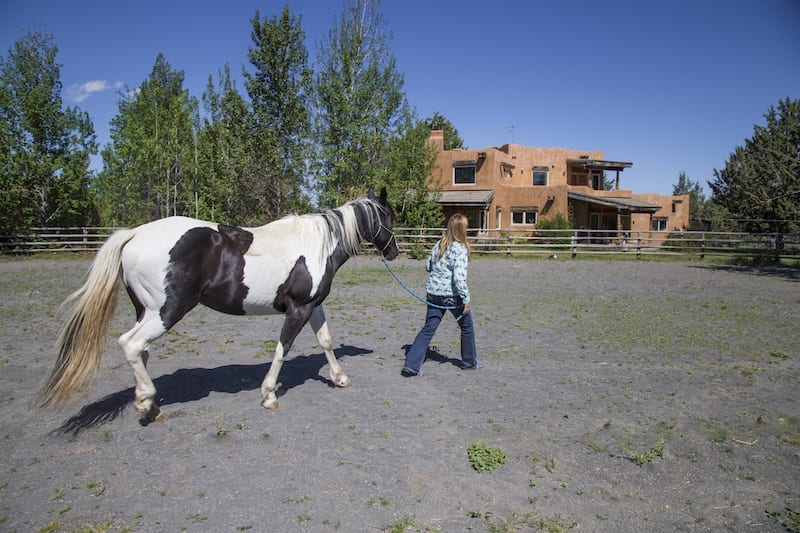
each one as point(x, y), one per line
point(626, 396)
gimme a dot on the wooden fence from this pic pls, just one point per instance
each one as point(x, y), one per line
point(561, 243)
point(573, 243)
point(83, 239)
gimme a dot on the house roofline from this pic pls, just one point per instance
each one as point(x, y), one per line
point(600, 164)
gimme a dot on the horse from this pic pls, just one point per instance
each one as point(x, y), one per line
point(170, 265)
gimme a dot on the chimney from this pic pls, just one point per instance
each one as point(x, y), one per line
point(437, 139)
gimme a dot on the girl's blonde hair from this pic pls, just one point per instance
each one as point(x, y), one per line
point(456, 231)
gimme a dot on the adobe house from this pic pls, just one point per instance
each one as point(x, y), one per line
point(513, 187)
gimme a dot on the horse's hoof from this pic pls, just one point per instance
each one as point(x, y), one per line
point(342, 381)
point(154, 414)
point(271, 405)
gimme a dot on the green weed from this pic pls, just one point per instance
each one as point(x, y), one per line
point(791, 521)
point(641, 458)
point(401, 525)
point(485, 459)
point(97, 487)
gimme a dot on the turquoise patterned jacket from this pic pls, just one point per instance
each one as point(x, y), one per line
point(448, 275)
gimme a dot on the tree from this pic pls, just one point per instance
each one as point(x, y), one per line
point(359, 103)
point(279, 91)
point(760, 184)
point(224, 159)
point(452, 139)
point(410, 162)
point(150, 169)
point(697, 199)
point(44, 148)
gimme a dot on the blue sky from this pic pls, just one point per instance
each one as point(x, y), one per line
point(670, 86)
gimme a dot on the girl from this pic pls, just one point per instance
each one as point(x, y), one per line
point(447, 288)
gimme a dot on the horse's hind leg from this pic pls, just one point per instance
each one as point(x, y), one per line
point(320, 327)
point(135, 344)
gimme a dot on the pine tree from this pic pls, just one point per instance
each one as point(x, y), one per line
point(452, 139)
point(697, 199)
point(760, 184)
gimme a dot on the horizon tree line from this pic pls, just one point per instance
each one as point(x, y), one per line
point(300, 138)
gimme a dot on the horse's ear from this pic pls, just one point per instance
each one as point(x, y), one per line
point(371, 192)
point(383, 195)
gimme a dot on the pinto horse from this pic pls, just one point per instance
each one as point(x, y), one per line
point(170, 265)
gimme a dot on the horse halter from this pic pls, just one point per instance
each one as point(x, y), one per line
point(388, 241)
point(378, 232)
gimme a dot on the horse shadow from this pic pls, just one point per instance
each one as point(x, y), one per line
point(191, 384)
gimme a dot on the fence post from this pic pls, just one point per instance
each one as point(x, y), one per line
point(638, 245)
point(574, 244)
point(702, 246)
point(508, 245)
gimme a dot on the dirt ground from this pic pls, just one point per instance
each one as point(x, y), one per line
point(626, 396)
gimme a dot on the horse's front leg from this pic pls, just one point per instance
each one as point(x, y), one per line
point(320, 326)
point(296, 318)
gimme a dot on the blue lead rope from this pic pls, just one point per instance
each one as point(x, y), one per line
point(415, 295)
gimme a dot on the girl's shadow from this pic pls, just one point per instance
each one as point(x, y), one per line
point(190, 384)
point(433, 354)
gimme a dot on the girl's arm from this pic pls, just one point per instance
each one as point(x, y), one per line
point(460, 261)
point(431, 260)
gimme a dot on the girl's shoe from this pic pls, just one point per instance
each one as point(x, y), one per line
point(474, 366)
point(410, 372)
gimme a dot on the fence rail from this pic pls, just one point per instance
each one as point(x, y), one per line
point(565, 242)
point(698, 244)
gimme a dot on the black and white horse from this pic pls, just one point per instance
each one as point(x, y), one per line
point(170, 265)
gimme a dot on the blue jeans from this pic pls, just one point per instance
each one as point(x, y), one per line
point(416, 354)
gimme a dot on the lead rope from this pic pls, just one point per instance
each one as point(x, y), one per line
point(415, 295)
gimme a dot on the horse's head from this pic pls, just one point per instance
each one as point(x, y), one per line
point(383, 238)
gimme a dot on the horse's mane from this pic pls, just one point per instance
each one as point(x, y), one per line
point(340, 225)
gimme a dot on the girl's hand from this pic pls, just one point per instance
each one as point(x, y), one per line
point(466, 309)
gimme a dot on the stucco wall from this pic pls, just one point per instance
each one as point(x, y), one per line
point(507, 170)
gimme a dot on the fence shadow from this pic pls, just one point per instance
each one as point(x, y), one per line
point(787, 273)
point(190, 384)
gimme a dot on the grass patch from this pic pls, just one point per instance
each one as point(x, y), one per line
point(642, 458)
point(790, 520)
point(484, 458)
point(400, 525)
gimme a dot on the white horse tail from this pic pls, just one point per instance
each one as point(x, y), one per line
point(81, 342)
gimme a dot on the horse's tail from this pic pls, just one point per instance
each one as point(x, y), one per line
point(81, 342)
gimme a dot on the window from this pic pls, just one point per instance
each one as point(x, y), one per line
point(523, 216)
point(660, 223)
point(598, 181)
point(540, 176)
point(464, 175)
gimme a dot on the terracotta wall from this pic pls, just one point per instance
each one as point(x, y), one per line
point(676, 208)
point(507, 170)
